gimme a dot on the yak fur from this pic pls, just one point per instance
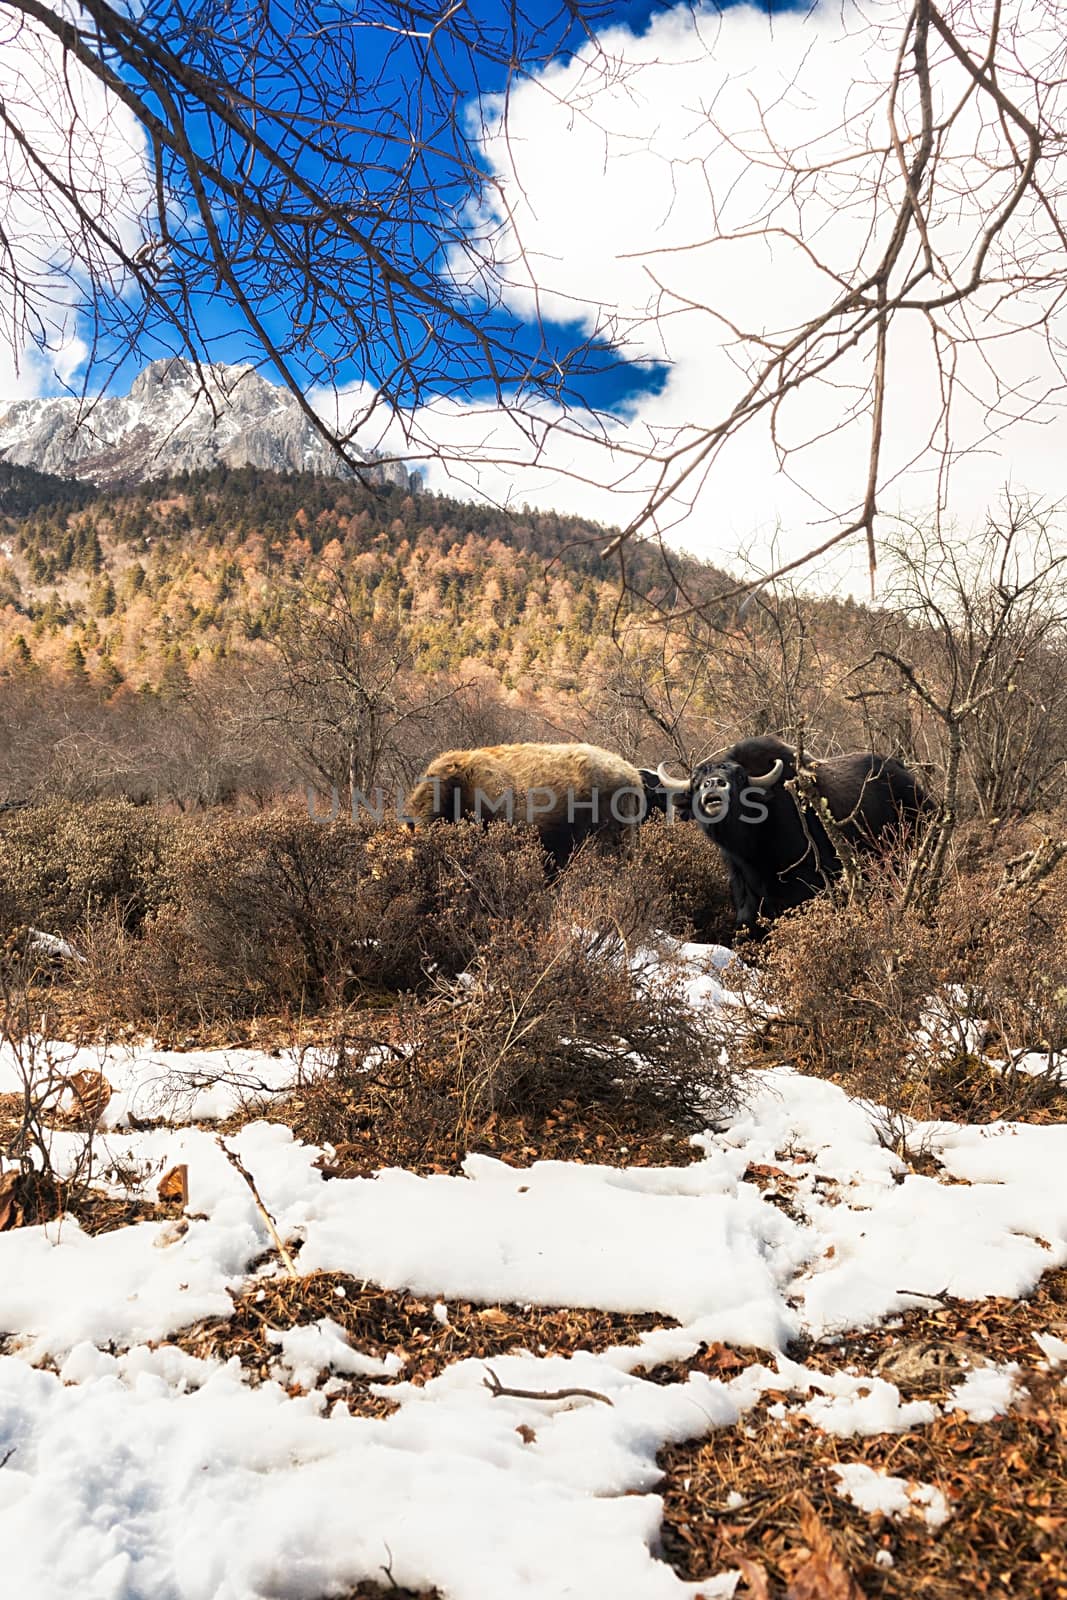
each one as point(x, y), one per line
point(568, 791)
point(777, 852)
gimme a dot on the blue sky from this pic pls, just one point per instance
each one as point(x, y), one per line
point(607, 380)
point(685, 189)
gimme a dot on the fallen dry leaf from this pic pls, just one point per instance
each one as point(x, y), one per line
point(719, 1358)
point(754, 1574)
point(10, 1210)
point(816, 1571)
point(171, 1234)
point(174, 1185)
point(91, 1093)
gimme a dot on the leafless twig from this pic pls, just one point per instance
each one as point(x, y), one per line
point(235, 1161)
point(496, 1389)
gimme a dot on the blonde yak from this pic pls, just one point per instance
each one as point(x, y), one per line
point(567, 791)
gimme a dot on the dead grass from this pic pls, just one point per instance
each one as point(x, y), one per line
point(1005, 1480)
point(387, 1591)
point(390, 1118)
point(381, 1322)
point(923, 1014)
point(552, 1038)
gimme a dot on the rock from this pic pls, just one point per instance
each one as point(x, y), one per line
point(168, 423)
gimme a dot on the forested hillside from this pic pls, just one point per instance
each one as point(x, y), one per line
point(199, 568)
point(238, 633)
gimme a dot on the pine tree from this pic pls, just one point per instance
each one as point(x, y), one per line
point(135, 580)
point(174, 679)
point(110, 677)
point(102, 596)
point(65, 552)
point(74, 660)
point(90, 555)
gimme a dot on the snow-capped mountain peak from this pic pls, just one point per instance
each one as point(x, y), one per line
point(170, 422)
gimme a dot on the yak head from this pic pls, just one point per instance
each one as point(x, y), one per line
point(731, 786)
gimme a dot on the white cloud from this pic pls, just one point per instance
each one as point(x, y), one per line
point(640, 182)
point(629, 179)
point(67, 120)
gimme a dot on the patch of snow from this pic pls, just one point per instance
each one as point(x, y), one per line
point(52, 946)
point(986, 1392)
point(478, 1495)
point(179, 1085)
point(862, 1239)
point(841, 1403)
point(120, 1453)
point(60, 1286)
point(322, 1346)
point(703, 962)
point(1037, 1064)
point(1053, 1348)
point(1018, 1153)
point(669, 1239)
point(893, 1497)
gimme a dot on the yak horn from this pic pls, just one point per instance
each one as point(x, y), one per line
point(673, 785)
point(768, 779)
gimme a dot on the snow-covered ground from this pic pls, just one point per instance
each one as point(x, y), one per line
point(130, 1470)
point(150, 1084)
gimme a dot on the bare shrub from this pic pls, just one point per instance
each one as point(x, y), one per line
point(1009, 967)
point(429, 898)
point(346, 689)
point(61, 864)
point(975, 642)
point(545, 1020)
point(926, 1016)
point(253, 912)
point(279, 913)
point(34, 1183)
point(539, 1015)
point(689, 878)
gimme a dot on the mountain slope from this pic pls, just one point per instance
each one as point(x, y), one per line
point(168, 424)
point(200, 567)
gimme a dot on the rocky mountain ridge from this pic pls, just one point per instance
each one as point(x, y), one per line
point(168, 424)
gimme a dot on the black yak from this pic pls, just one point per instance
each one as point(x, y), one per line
point(779, 853)
point(568, 791)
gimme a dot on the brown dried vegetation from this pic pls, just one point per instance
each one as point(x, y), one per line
point(928, 1014)
point(788, 1525)
point(552, 1036)
point(381, 1322)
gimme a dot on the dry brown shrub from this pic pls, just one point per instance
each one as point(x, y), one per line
point(53, 1111)
point(429, 898)
point(542, 1014)
point(690, 880)
point(61, 864)
point(543, 1017)
point(1008, 960)
point(253, 911)
point(926, 1015)
point(279, 913)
